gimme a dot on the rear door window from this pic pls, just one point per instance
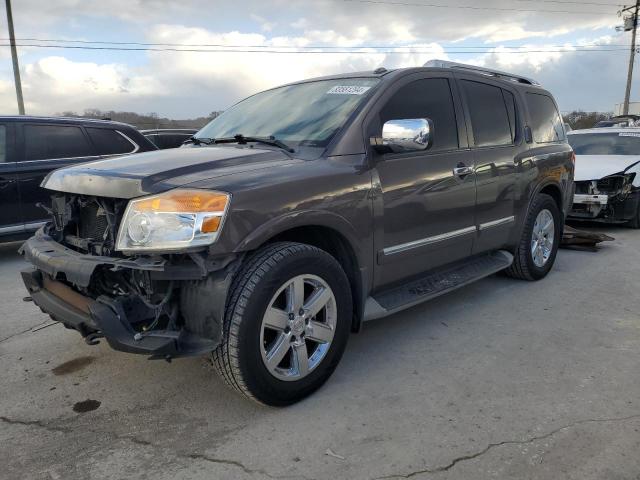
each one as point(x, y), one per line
point(490, 117)
point(55, 141)
point(546, 123)
point(109, 142)
point(429, 98)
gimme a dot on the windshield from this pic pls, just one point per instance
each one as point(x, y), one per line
point(303, 114)
point(622, 143)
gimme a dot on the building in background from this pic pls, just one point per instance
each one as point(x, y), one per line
point(634, 108)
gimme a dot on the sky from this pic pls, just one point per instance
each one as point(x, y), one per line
point(571, 47)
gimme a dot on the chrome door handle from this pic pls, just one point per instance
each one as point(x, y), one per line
point(461, 171)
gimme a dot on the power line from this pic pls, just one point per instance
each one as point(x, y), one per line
point(574, 2)
point(301, 47)
point(473, 7)
point(360, 50)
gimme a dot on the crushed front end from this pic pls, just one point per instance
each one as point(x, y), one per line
point(140, 303)
point(612, 199)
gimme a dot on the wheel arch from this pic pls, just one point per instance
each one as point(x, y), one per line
point(326, 231)
point(555, 192)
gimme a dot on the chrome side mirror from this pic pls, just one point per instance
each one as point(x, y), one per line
point(405, 135)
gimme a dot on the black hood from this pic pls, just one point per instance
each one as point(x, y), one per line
point(153, 172)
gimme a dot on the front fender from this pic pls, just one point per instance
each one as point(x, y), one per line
point(304, 218)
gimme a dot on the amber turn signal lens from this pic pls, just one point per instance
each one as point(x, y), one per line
point(184, 201)
point(211, 224)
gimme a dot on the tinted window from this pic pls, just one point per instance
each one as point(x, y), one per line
point(175, 140)
point(429, 98)
point(109, 142)
point(153, 139)
point(55, 141)
point(546, 124)
point(170, 140)
point(624, 143)
point(3, 143)
point(490, 121)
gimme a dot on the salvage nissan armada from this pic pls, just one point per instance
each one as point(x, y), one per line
point(300, 213)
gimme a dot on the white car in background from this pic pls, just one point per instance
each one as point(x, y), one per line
point(607, 175)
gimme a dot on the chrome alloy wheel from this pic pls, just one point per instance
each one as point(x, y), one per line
point(542, 238)
point(298, 327)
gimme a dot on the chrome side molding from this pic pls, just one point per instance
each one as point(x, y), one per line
point(403, 247)
point(496, 223)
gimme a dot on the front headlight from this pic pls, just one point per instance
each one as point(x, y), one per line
point(172, 221)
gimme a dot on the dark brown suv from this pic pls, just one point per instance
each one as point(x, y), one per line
point(300, 213)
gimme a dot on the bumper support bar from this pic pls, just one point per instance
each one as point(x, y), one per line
point(105, 317)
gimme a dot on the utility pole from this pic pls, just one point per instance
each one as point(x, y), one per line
point(14, 57)
point(634, 22)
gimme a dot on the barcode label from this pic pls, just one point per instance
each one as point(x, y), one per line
point(347, 90)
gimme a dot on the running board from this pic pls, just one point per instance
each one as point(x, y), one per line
point(436, 283)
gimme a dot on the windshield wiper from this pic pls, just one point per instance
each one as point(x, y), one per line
point(242, 140)
point(198, 141)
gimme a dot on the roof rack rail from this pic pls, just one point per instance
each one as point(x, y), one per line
point(485, 71)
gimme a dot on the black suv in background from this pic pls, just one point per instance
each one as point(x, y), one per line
point(30, 147)
point(168, 137)
point(303, 211)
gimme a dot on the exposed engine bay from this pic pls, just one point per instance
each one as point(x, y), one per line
point(86, 224)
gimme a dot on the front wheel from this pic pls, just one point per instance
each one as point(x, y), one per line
point(539, 242)
point(286, 323)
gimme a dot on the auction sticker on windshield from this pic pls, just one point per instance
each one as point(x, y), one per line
point(347, 90)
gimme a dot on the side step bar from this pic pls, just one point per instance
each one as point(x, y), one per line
point(434, 284)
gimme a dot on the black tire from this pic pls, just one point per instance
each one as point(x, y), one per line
point(523, 266)
point(238, 359)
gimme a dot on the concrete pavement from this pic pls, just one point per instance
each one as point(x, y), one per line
point(502, 379)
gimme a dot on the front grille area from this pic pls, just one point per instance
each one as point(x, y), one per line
point(87, 224)
point(93, 222)
point(611, 185)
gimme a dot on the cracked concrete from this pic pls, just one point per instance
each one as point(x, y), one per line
point(489, 447)
point(502, 379)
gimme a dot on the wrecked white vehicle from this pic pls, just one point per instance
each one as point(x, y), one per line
point(607, 175)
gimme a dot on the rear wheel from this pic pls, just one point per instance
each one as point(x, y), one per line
point(540, 239)
point(286, 324)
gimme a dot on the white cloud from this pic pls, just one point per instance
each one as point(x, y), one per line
point(190, 83)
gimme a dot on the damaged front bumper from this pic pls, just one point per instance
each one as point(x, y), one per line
point(61, 279)
point(610, 200)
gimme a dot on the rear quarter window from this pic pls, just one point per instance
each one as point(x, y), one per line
point(546, 123)
point(109, 142)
